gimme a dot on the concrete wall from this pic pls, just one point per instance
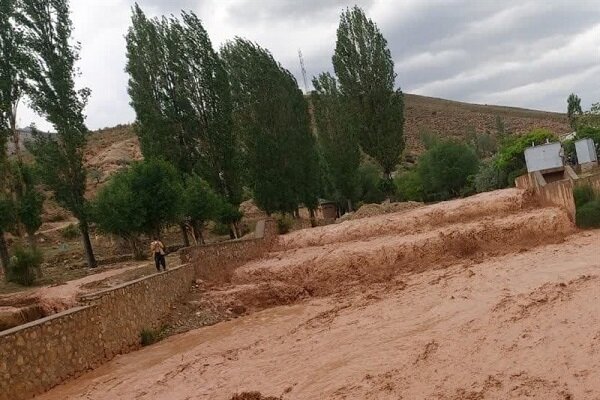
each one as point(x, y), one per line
point(216, 262)
point(559, 193)
point(41, 354)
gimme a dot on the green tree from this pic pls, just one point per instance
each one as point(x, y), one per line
point(118, 211)
point(12, 85)
point(140, 200)
point(573, 109)
point(180, 92)
point(200, 204)
point(445, 169)
point(365, 70)
point(337, 138)
point(52, 93)
point(271, 119)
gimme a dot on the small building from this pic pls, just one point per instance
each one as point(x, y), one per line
point(329, 209)
point(587, 157)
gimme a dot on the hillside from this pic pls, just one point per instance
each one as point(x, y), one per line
point(110, 148)
point(452, 119)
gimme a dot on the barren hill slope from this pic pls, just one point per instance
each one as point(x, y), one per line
point(452, 119)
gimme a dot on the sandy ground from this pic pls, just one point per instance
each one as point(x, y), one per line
point(485, 298)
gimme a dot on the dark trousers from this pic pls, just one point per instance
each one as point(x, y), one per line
point(159, 260)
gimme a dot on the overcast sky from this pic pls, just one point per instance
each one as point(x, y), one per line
point(524, 53)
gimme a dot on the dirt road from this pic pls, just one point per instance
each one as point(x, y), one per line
point(517, 326)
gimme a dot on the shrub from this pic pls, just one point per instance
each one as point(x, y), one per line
point(69, 232)
point(369, 189)
point(489, 177)
point(409, 186)
point(284, 224)
point(584, 194)
point(588, 215)
point(220, 229)
point(150, 336)
point(24, 266)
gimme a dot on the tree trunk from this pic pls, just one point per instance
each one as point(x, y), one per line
point(184, 235)
point(4, 257)
point(313, 220)
point(197, 228)
point(138, 254)
point(350, 205)
point(87, 244)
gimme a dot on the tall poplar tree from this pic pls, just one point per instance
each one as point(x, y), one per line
point(337, 137)
point(180, 92)
point(365, 70)
point(47, 26)
point(271, 118)
point(12, 85)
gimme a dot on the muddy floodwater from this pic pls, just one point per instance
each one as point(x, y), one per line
point(490, 297)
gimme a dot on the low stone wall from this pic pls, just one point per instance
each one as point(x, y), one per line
point(216, 262)
point(41, 354)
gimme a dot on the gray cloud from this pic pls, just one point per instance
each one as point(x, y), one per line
point(516, 52)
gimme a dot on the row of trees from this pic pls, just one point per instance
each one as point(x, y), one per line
point(237, 118)
point(229, 118)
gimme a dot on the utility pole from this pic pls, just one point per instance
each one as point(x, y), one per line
point(303, 69)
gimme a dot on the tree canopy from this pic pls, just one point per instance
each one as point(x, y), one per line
point(271, 119)
point(180, 92)
point(364, 67)
point(337, 137)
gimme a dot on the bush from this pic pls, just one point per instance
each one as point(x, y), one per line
point(69, 232)
point(150, 336)
point(584, 194)
point(489, 177)
point(409, 186)
point(510, 159)
point(284, 224)
point(220, 229)
point(446, 168)
point(24, 266)
point(588, 215)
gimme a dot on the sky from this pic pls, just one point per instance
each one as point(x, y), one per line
point(522, 53)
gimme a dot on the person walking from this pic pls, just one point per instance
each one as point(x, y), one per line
point(157, 248)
